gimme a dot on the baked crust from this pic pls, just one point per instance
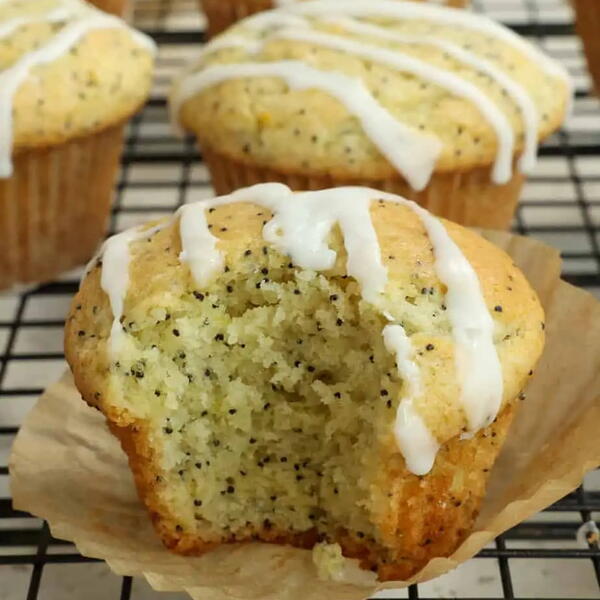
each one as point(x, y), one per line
point(419, 517)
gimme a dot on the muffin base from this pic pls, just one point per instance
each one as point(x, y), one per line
point(435, 529)
point(588, 28)
point(115, 7)
point(55, 206)
point(469, 197)
point(220, 14)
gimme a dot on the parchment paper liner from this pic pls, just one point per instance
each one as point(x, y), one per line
point(466, 197)
point(54, 208)
point(68, 469)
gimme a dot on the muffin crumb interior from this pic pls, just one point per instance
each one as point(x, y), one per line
point(262, 400)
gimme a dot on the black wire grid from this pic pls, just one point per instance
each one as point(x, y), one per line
point(561, 206)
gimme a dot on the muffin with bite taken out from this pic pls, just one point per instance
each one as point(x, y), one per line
point(335, 366)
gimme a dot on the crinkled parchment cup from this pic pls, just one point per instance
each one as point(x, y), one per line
point(68, 469)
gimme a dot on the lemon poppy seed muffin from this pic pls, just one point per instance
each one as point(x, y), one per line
point(220, 14)
point(335, 366)
point(440, 105)
point(70, 77)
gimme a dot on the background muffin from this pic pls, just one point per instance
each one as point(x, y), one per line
point(115, 7)
point(437, 104)
point(70, 77)
point(287, 373)
point(220, 14)
point(587, 20)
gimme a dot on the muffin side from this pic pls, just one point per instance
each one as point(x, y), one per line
point(226, 417)
point(465, 197)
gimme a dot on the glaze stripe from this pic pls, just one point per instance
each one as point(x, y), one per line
point(416, 443)
point(519, 95)
point(414, 154)
point(456, 85)
point(114, 279)
point(436, 14)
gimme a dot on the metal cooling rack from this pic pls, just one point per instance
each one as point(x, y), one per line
point(561, 206)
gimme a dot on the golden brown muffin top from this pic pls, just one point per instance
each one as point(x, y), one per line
point(370, 89)
point(464, 325)
point(66, 70)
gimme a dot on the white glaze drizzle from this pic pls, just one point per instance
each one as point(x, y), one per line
point(12, 78)
point(301, 224)
point(294, 213)
point(199, 246)
point(299, 228)
point(115, 277)
point(415, 441)
point(115, 281)
point(479, 371)
point(478, 367)
point(437, 14)
point(412, 153)
point(516, 91)
point(458, 86)
point(502, 128)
